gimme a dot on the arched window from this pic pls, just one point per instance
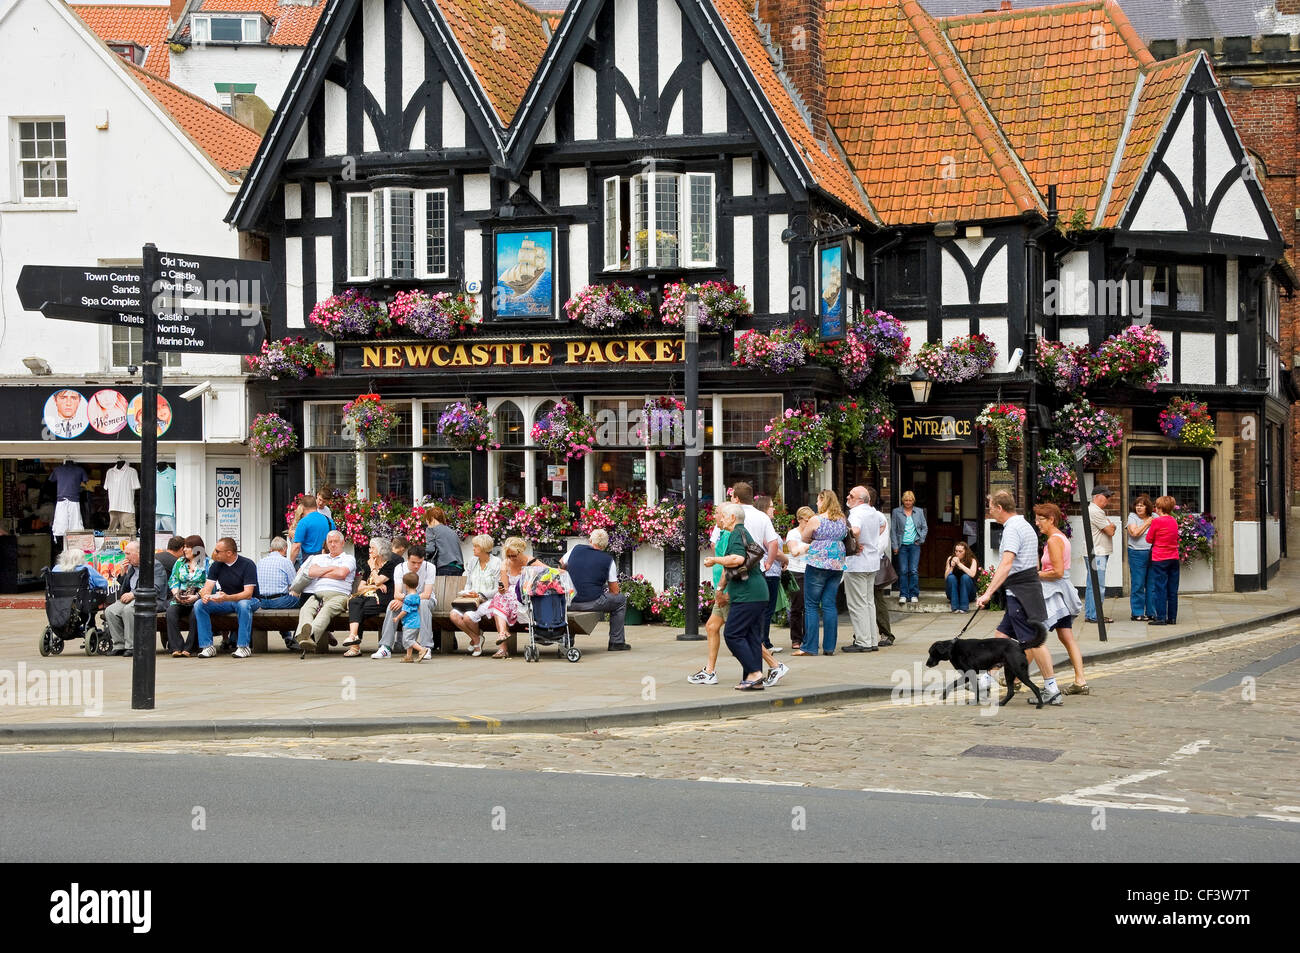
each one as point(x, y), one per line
point(510, 425)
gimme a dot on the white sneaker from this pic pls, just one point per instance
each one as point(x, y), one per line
point(775, 675)
point(915, 600)
point(703, 678)
point(776, 650)
point(902, 600)
point(243, 652)
point(209, 652)
point(382, 653)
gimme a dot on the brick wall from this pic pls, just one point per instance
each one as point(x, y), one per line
point(797, 28)
point(1288, 6)
point(1245, 456)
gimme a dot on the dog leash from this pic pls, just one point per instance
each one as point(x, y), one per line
point(968, 622)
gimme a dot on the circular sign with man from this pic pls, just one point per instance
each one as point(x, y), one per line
point(135, 414)
point(107, 411)
point(65, 414)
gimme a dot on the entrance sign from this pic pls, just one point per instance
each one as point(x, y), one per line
point(956, 429)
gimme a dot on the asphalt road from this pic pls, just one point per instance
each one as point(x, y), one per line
point(109, 806)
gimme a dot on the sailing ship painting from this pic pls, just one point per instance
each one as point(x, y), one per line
point(525, 264)
point(831, 305)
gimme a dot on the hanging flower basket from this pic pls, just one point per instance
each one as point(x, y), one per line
point(1004, 425)
point(797, 438)
point(295, 358)
point(961, 359)
point(601, 307)
point(350, 314)
point(721, 303)
point(468, 427)
point(272, 438)
point(615, 514)
point(776, 352)
point(1056, 478)
point(662, 525)
point(1136, 357)
point(1067, 367)
point(871, 351)
point(439, 316)
point(1189, 422)
point(493, 519)
point(546, 522)
point(371, 421)
point(565, 431)
point(1098, 432)
point(360, 520)
point(662, 419)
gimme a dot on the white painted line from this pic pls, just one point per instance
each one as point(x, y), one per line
point(1280, 817)
point(1087, 797)
point(967, 794)
point(428, 764)
point(783, 784)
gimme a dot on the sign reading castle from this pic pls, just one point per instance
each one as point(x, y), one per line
point(368, 358)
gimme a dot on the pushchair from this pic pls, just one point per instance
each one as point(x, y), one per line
point(72, 611)
point(546, 599)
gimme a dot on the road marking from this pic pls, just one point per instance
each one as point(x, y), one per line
point(1281, 817)
point(1087, 797)
point(1253, 670)
point(966, 794)
point(1187, 750)
point(428, 764)
point(781, 784)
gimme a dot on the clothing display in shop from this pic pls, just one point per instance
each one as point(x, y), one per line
point(67, 479)
point(121, 482)
point(165, 519)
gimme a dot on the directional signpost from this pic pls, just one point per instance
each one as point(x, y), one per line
point(183, 303)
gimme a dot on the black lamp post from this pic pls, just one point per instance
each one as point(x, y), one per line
point(1098, 592)
point(691, 475)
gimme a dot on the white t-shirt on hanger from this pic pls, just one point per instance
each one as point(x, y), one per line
point(121, 484)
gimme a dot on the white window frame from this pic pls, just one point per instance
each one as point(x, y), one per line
point(648, 182)
point(201, 28)
point(613, 256)
point(379, 208)
point(685, 246)
point(15, 133)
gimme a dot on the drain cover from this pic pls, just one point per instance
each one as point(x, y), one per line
point(1012, 754)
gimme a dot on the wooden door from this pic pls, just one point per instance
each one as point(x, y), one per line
point(937, 486)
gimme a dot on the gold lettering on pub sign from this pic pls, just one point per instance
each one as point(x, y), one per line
point(523, 354)
point(935, 428)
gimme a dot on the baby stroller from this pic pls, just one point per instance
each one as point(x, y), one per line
point(72, 611)
point(546, 600)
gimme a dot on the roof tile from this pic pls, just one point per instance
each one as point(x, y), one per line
point(145, 24)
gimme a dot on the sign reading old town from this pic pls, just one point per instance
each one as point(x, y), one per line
point(367, 358)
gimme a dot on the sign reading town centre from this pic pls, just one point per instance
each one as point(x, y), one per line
point(212, 305)
point(530, 353)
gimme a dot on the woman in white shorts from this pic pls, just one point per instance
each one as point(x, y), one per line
point(505, 606)
point(481, 578)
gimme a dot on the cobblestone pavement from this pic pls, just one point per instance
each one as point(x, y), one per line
point(1149, 737)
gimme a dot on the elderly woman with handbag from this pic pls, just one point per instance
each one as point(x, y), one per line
point(743, 581)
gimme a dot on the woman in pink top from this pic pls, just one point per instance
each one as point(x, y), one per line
point(1059, 594)
point(1163, 537)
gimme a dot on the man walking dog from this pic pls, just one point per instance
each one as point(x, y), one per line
point(1026, 615)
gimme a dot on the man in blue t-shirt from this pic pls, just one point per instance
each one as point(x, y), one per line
point(231, 587)
point(309, 535)
point(595, 582)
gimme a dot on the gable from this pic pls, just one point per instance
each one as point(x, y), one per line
point(1198, 177)
point(382, 78)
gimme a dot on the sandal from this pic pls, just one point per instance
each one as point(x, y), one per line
point(176, 655)
point(353, 651)
point(425, 656)
point(501, 653)
point(476, 648)
point(801, 652)
point(355, 640)
point(751, 686)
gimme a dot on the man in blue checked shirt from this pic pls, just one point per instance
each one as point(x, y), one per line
point(274, 577)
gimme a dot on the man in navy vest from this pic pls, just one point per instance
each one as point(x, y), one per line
point(595, 581)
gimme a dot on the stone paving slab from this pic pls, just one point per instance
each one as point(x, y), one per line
point(279, 694)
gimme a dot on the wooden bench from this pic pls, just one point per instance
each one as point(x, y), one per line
point(445, 589)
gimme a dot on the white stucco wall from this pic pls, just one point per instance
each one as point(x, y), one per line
point(269, 68)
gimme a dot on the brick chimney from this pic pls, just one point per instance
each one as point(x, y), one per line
point(797, 28)
point(177, 8)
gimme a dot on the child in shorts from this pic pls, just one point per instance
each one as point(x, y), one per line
point(409, 620)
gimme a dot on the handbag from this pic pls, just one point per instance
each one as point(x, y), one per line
point(851, 545)
point(753, 553)
point(887, 574)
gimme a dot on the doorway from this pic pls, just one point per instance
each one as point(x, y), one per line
point(944, 491)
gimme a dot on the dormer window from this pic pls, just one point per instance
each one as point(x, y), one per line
point(131, 52)
point(233, 28)
point(660, 220)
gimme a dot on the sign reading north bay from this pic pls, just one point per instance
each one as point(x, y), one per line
point(207, 304)
point(956, 429)
point(620, 352)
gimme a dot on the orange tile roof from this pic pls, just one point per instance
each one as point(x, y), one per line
point(229, 145)
point(1161, 91)
point(291, 25)
point(147, 25)
point(826, 167)
point(503, 41)
point(903, 125)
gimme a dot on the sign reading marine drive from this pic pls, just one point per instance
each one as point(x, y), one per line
point(525, 354)
point(955, 429)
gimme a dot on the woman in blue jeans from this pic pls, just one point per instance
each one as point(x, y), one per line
point(959, 577)
point(908, 530)
point(823, 570)
point(1139, 560)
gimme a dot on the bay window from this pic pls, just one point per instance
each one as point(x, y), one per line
point(397, 233)
point(668, 219)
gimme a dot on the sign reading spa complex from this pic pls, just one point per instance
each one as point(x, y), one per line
point(207, 304)
point(517, 354)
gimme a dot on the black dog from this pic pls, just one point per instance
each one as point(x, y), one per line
point(969, 656)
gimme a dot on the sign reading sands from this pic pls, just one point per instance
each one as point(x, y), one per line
point(368, 358)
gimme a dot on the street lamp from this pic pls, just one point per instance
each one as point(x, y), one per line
point(921, 385)
point(691, 474)
point(1080, 452)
